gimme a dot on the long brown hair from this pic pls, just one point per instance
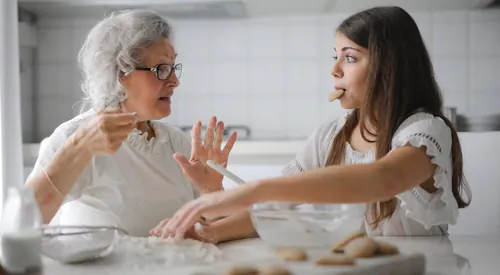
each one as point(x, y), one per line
point(401, 79)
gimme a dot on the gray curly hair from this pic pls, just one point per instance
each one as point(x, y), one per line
point(111, 48)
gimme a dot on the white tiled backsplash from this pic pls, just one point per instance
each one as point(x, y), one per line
point(273, 73)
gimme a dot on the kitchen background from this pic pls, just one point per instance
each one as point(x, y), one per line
point(264, 65)
point(252, 65)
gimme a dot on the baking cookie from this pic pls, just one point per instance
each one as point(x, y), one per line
point(338, 246)
point(335, 259)
point(292, 254)
point(364, 247)
point(243, 270)
point(335, 95)
point(274, 270)
point(386, 249)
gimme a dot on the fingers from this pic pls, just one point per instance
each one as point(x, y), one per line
point(219, 135)
point(120, 130)
point(196, 145)
point(174, 225)
point(109, 111)
point(229, 144)
point(182, 160)
point(113, 134)
point(117, 123)
point(197, 232)
point(211, 147)
point(164, 232)
point(206, 235)
point(158, 228)
point(209, 134)
point(115, 138)
point(188, 221)
point(122, 118)
point(191, 234)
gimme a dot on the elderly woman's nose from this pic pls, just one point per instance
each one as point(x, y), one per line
point(173, 81)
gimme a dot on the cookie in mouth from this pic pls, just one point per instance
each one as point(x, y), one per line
point(336, 95)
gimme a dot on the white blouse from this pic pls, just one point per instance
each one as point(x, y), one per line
point(134, 188)
point(418, 213)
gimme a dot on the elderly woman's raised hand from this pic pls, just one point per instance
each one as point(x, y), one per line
point(205, 178)
point(104, 133)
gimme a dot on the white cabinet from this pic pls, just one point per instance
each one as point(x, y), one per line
point(481, 153)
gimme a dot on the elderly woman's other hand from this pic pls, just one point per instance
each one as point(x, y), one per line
point(104, 133)
point(203, 177)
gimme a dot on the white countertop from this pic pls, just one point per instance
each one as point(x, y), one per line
point(241, 147)
point(291, 147)
point(453, 255)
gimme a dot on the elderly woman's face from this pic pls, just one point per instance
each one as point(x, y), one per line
point(146, 94)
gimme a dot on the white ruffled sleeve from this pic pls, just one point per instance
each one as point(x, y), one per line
point(425, 130)
point(315, 151)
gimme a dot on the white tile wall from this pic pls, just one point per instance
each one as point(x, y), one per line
point(57, 46)
point(482, 73)
point(273, 74)
point(197, 78)
point(484, 38)
point(189, 109)
point(303, 76)
point(267, 40)
point(227, 78)
point(54, 110)
point(302, 39)
point(267, 116)
point(232, 110)
point(426, 27)
point(450, 34)
point(266, 77)
point(194, 39)
point(227, 41)
point(301, 115)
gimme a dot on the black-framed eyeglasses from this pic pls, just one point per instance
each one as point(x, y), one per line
point(164, 71)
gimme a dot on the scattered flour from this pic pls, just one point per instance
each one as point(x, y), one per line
point(141, 253)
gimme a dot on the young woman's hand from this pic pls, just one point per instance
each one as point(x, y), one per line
point(216, 204)
point(200, 231)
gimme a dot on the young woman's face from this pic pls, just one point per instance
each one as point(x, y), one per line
point(350, 71)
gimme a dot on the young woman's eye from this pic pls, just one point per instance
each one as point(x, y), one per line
point(335, 58)
point(350, 59)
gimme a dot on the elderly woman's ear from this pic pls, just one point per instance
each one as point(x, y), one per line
point(125, 81)
point(122, 77)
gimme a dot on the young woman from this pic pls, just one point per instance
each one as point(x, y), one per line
point(395, 151)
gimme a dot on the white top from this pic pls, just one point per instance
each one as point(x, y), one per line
point(135, 188)
point(418, 212)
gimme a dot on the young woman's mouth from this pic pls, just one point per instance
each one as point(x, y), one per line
point(337, 94)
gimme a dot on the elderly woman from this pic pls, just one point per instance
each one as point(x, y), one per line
point(115, 158)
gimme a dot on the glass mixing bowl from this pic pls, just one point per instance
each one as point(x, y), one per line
point(287, 224)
